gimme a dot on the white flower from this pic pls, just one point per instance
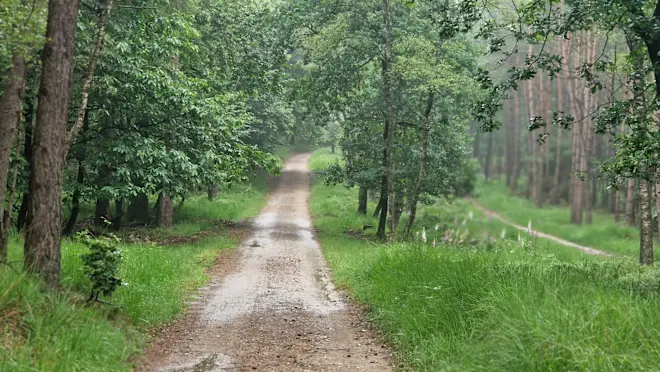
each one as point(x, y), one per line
point(424, 234)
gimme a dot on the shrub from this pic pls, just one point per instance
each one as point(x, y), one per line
point(101, 264)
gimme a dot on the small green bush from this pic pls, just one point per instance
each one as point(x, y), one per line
point(101, 264)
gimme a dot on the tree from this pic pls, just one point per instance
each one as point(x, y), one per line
point(42, 240)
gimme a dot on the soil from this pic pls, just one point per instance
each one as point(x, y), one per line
point(566, 243)
point(271, 305)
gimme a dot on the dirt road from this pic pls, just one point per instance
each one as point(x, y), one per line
point(275, 307)
point(566, 243)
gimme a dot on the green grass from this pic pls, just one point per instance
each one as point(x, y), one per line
point(603, 234)
point(491, 306)
point(322, 158)
point(56, 332)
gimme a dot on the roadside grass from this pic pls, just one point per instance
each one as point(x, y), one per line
point(491, 306)
point(603, 234)
point(57, 332)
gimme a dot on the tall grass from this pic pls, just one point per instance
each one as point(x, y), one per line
point(491, 307)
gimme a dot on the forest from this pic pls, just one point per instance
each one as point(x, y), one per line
point(427, 185)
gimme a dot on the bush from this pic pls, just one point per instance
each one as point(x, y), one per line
point(101, 264)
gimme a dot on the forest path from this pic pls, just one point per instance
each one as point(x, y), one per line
point(276, 309)
point(583, 249)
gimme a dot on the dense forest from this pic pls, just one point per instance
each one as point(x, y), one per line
point(121, 121)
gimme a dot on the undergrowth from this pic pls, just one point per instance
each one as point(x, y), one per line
point(162, 268)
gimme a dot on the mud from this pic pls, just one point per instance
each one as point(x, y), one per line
point(276, 309)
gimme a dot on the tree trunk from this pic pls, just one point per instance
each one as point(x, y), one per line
point(362, 200)
point(414, 197)
point(119, 214)
point(379, 207)
point(630, 202)
point(138, 209)
point(27, 154)
point(165, 215)
point(91, 68)
point(489, 157)
point(617, 207)
point(516, 141)
point(43, 237)
point(387, 85)
point(10, 113)
point(646, 223)
point(213, 192)
point(102, 212)
point(75, 201)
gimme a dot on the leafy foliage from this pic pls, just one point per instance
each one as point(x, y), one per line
point(101, 264)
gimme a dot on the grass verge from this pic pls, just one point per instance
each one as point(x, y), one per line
point(491, 306)
point(57, 332)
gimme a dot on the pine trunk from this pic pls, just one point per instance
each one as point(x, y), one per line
point(387, 85)
point(43, 237)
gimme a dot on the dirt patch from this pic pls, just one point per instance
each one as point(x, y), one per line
point(272, 305)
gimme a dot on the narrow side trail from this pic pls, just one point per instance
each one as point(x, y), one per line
point(276, 309)
point(583, 249)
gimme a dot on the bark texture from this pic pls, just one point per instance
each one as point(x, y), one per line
point(42, 240)
point(646, 223)
point(10, 112)
point(362, 200)
point(165, 215)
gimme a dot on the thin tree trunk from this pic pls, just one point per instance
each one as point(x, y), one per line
point(646, 223)
point(119, 214)
point(414, 197)
point(387, 85)
point(6, 216)
point(362, 200)
point(27, 154)
point(43, 237)
point(75, 201)
point(516, 140)
point(379, 207)
point(630, 202)
point(489, 156)
point(10, 113)
point(91, 68)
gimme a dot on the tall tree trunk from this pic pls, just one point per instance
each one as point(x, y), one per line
point(646, 223)
point(516, 140)
point(414, 198)
point(10, 112)
point(387, 85)
point(476, 144)
point(30, 114)
point(43, 237)
point(363, 196)
point(576, 193)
